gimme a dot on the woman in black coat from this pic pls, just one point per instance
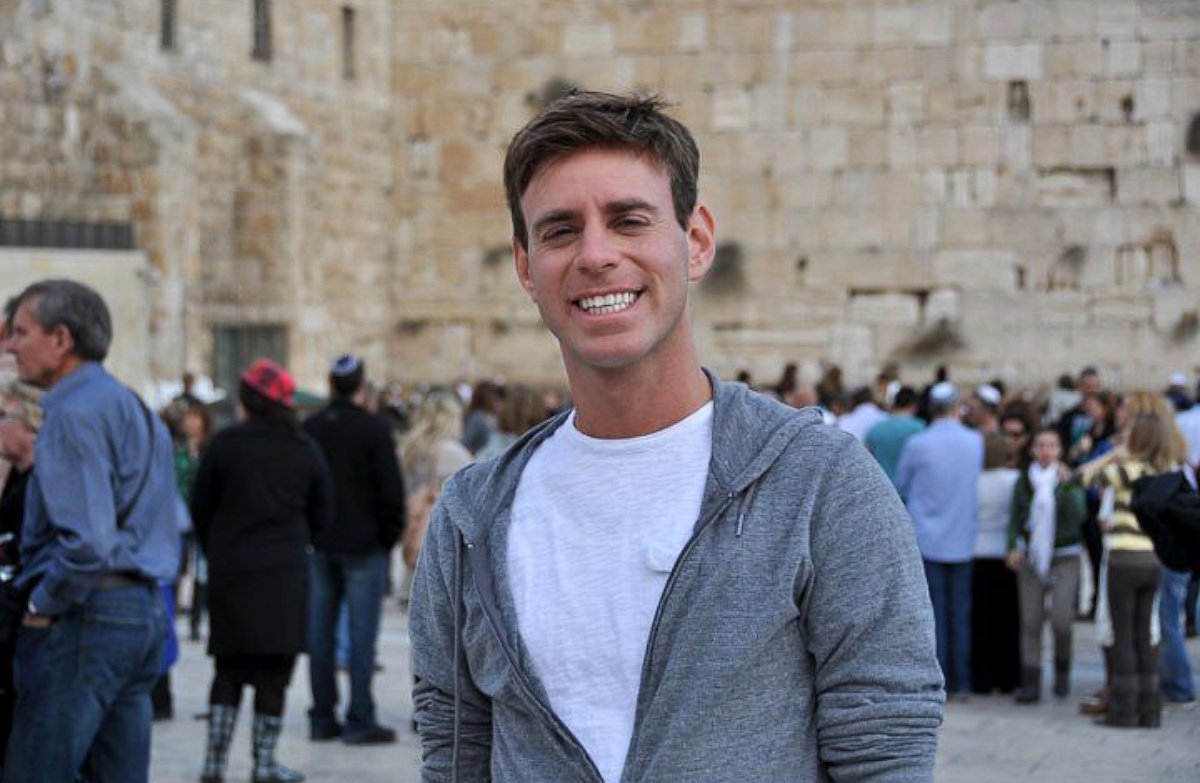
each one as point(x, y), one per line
point(261, 491)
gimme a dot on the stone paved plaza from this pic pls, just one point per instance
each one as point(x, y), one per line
point(985, 740)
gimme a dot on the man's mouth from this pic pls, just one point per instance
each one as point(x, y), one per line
point(606, 304)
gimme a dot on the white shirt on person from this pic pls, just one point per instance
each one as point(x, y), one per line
point(597, 525)
point(994, 500)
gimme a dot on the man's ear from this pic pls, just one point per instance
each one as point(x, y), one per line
point(702, 242)
point(521, 262)
point(64, 341)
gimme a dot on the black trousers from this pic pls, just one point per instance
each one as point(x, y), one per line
point(995, 628)
point(1132, 584)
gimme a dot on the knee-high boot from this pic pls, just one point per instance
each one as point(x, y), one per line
point(266, 738)
point(1149, 701)
point(221, 722)
point(1123, 703)
point(1030, 691)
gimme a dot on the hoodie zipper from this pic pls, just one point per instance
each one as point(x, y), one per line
point(674, 577)
point(547, 713)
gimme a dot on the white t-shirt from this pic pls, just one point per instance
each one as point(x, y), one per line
point(597, 526)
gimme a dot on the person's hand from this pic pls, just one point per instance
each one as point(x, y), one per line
point(36, 621)
point(1064, 473)
point(1014, 559)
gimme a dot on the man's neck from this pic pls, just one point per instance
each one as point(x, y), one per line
point(69, 365)
point(626, 404)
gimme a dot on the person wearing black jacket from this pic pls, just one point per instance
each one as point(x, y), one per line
point(349, 560)
point(262, 494)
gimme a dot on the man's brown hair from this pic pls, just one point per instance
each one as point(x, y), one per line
point(596, 120)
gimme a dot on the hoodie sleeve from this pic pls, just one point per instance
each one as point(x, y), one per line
point(868, 620)
point(433, 633)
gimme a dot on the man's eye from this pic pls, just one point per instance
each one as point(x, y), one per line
point(557, 233)
point(631, 223)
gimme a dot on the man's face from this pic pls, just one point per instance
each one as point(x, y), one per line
point(42, 355)
point(607, 263)
point(1090, 384)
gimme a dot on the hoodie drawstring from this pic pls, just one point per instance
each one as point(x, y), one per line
point(744, 506)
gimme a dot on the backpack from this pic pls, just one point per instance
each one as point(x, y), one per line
point(1168, 510)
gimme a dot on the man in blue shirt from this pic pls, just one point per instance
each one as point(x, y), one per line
point(99, 534)
point(939, 468)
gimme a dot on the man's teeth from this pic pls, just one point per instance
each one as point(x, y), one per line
point(608, 303)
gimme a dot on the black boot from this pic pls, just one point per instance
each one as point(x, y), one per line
point(266, 737)
point(1030, 691)
point(1062, 679)
point(1149, 702)
point(1122, 704)
point(196, 615)
point(221, 721)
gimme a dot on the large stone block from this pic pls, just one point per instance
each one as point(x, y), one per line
point(1128, 309)
point(1074, 19)
point(975, 269)
point(826, 66)
point(895, 24)
point(906, 103)
point(1074, 60)
point(979, 146)
point(937, 146)
point(1123, 58)
point(883, 309)
point(853, 106)
point(1003, 20)
point(1156, 187)
point(867, 147)
point(731, 110)
point(1074, 188)
point(962, 227)
point(1191, 183)
point(1005, 62)
point(942, 304)
point(587, 39)
point(1163, 142)
point(692, 32)
point(828, 147)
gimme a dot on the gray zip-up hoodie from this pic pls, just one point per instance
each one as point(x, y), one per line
point(792, 642)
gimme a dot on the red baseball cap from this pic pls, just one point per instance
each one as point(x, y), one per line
point(271, 381)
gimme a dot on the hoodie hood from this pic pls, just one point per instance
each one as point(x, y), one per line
point(750, 432)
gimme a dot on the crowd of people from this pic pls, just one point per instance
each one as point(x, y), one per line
point(594, 581)
point(1022, 504)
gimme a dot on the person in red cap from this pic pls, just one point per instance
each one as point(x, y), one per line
point(262, 491)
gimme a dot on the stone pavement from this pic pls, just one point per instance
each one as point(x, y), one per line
point(984, 740)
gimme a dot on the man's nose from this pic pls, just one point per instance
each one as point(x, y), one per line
point(596, 250)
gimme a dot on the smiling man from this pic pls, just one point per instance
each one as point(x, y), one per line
point(678, 579)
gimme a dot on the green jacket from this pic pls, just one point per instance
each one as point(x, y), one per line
point(1070, 511)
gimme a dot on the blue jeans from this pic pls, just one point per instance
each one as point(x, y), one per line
point(83, 691)
point(950, 594)
point(1174, 670)
point(359, 579)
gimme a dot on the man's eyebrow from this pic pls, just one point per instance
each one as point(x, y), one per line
point(554, 216)
point(629, 205)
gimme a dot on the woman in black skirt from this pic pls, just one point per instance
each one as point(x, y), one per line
point(261, 491)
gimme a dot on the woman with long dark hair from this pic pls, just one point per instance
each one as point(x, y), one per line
point(261, 490)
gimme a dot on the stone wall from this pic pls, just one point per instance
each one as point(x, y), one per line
point(1000, 185)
